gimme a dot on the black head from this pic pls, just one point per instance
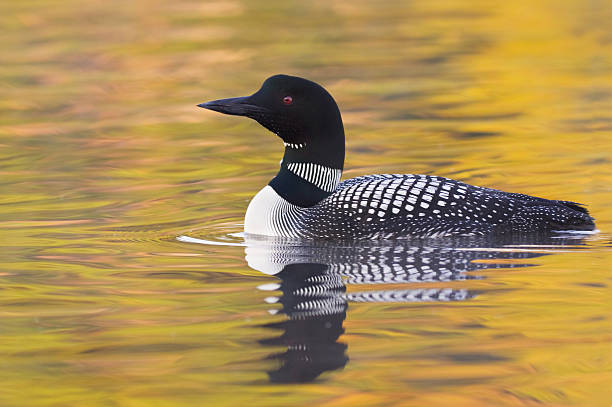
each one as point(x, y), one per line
point(300, 112)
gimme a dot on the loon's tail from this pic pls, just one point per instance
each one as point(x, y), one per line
point(575, 206)
point(582, 219)
point(553, 215)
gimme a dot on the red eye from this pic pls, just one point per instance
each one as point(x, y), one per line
point(287, 100)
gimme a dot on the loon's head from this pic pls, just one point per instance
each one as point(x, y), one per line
point(300, 112)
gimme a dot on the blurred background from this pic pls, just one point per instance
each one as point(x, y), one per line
point(99, 97)
point(105, 160)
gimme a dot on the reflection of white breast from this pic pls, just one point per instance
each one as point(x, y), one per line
point(269, 214)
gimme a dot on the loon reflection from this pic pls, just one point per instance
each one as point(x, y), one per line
point(313, 277)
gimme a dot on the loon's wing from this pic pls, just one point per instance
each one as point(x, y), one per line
point(395, 205)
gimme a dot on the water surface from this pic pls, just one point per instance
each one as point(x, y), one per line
point(105, 161)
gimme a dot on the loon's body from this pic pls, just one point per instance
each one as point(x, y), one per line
point(306, 198)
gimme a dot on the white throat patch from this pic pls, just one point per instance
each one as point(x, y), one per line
point(295, 146)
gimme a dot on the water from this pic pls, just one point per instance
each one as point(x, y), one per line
point(106, 162)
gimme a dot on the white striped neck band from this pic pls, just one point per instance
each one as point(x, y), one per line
point(323, 177)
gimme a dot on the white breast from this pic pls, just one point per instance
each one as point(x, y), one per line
point(269, 214)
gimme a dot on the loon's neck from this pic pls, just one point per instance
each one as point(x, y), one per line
point(308, 174)
point(277, 210)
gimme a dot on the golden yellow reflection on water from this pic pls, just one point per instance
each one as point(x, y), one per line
point(105, 160)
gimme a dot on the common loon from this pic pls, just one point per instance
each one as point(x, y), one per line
point(307, 200)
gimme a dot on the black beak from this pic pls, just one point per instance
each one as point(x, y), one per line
point(235, 106)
